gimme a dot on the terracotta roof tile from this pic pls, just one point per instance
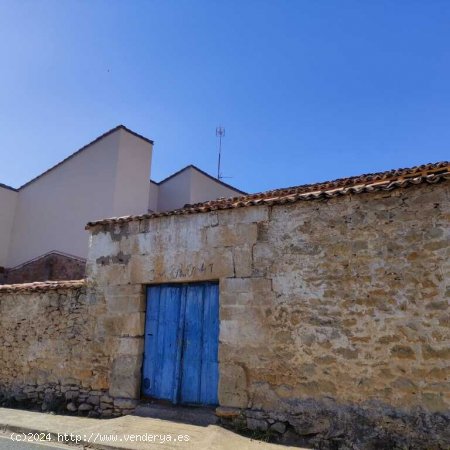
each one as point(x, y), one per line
point(41, 286)
point(386, 181)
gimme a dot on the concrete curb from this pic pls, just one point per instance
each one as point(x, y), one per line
point(8, 429)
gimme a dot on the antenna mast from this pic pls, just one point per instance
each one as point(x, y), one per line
point(220, 133)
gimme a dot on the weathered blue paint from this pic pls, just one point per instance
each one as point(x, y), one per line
point(181, 343)
point(210, 346)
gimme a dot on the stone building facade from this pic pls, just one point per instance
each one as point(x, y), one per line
point(334, 308)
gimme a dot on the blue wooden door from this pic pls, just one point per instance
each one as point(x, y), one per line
point(181, 343)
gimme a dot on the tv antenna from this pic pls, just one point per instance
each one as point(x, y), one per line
point(220, 133)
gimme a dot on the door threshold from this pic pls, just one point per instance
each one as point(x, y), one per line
point(194, 415)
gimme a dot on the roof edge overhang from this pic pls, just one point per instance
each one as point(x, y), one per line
point(382, 181)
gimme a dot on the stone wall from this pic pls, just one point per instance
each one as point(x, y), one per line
point(53, 353)
point(337, 307)
point(334, 318)
point(52, 266)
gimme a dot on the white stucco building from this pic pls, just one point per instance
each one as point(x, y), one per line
point(44, 219)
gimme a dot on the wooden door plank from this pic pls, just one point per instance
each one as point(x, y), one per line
point(192, 351)
point(210, 346)
point(150, 340)
point(179, 353)
point(169, 309)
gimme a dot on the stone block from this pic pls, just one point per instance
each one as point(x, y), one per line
point(126, 303)
point(244, 215)
point(232, 386)
point(257, 424)
point(245, 329)
point(70, 395)
point(435, 402)
point(231, 286)
point(126, 289)
point(278, 427)
point(122, 325)
point(231, 235)
point(112, 274)
point(429, 352)
point(125, 403)
point(242, 257)
point(93, 400)
point(231, 312)
point(264, 258)
point(130, 346)
point(126, 376)
point(100, 381)
point(141, 270)
point(307, 427)
point(85, 407)
point(403, 352)
point(229, 330)
point(222, 265)
point(71, 407)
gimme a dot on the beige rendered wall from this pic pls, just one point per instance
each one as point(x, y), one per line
point(8, 203)
point(107, 178)
point(153, 196)
point(188, 187)
point(204, 188)
point(175, 192)
point(131, 195)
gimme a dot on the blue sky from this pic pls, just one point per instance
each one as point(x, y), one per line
point(307, 90)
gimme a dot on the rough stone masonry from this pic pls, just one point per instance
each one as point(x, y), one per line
point(53, 352)
point(329, 309)
point(334, 315)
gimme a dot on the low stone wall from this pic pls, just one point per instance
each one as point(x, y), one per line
point(52, 353)
point(53, 266)
point(327, 425)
